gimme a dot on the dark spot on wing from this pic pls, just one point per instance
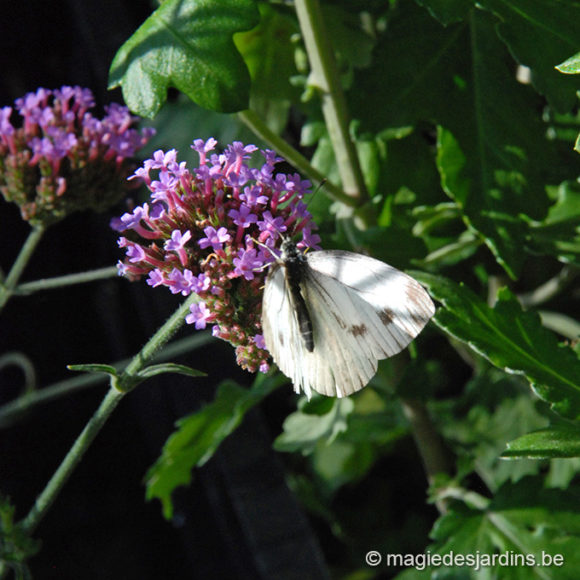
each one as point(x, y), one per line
point(387, 316)
point(417, 319)
point(358, 329)
point(281, 338)
point(339, 320)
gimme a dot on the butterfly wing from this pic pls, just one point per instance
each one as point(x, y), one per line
point(281, 328)
point(362, 310)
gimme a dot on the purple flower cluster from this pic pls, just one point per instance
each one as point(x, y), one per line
point(59, 158)
point(213, 231)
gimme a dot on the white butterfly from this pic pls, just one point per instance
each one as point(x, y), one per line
point(328, 317)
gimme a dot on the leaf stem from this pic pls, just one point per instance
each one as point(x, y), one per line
point(436, 459)
point(123, 384)
point(255, 123)
point(26, 252)
point(325, 77)
point(68, 280)
point(549, 289)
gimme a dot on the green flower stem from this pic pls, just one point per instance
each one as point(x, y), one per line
point(68, 280)
point(259, 128)
point(124, 384)
point(45, 500)
point(326, 79)
point(8, 286)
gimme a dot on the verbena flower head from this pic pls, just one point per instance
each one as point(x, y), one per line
point(58, 158)
point(212, 231)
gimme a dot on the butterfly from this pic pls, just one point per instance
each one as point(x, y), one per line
point(328, 317)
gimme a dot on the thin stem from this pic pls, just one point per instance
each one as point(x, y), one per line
point(123, 384)
point(68, 280)
point(326, 78)
point(255, 123)
point(72, 459)
point(436, 459)
point(7, 288)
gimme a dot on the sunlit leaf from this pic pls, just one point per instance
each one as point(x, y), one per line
point(571, 65)
point(511, 339)
point(187, 44)
point(555, 441)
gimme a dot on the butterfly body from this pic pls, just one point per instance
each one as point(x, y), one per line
point(294, 263)
point(328, 317)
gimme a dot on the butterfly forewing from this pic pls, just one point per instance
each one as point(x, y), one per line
point(361, 311)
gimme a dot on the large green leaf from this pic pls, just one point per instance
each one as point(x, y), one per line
point(200, 434)
point(462, 78)
point(541, 34)
point(511, 339)
point(187, 44)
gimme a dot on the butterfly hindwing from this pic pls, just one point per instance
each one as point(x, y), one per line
point(361, 310)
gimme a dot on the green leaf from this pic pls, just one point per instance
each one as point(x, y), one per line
point(559, 234)
point(447, 11)
point(511, 339)
point(186, 44)
point(200, 434)
point(303, 430)
point(502, 231)
point(491, 132)
point(94, 368)
point(524, 524)
point(493, 409)
point(570, 66)
point(540, 35)
point(162, 368)
point(268, 52)
point(555, 441)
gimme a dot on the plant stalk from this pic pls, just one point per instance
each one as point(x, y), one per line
point(26, 252)
point(326, 79)
point(126, 382)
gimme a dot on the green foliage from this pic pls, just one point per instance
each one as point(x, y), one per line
point(511, 339)
point(517, 534)
point(464, 116)
point(16, 545)
point(198, 436)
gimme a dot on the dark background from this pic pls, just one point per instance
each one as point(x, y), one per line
point(238, 519)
